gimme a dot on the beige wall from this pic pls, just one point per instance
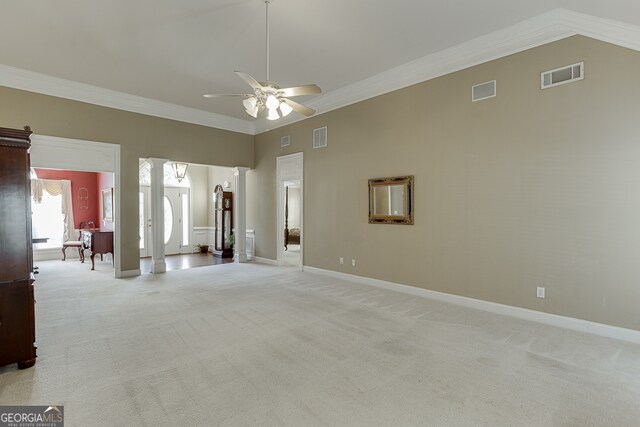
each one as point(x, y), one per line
point(532, 188)
point(207, 178)
point(253, 208)
point(199, 192)
point(218, 175)
point(139, 136)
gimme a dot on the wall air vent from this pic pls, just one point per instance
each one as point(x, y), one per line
point(285, 141)
point(320, 137)
point(560, 76)
point(483, 91)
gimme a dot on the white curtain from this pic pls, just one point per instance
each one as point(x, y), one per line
point(57, 187)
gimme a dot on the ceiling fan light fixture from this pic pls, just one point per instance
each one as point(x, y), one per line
point(268, 95)
point(250, 103)
point(285, 109)
point(273, 114)
point(272, 102)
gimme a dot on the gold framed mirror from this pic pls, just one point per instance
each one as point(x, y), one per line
point(391, 200)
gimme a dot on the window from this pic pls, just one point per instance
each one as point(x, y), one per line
point(185, 219)
point(141, 220)
point(168, 220)
point(48, 221)
point(169, 178)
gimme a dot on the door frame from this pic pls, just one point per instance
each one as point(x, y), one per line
point(179, 218)
point(148, 236)
point(51, 152)
point(184, 249)
point(289, 168)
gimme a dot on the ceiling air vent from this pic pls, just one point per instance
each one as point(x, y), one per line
point(483, 91)
point(560, 76)
point(285, 141)
point(320, 137)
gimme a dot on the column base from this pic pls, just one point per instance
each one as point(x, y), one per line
point(158, 266)
point(240, 257)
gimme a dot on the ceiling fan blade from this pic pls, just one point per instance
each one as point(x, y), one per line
point(299, 108)
point(222, 95)
point(249, 80)
point(301, 90)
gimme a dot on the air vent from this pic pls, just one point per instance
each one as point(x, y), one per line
point(285, 141)
point(483, 91)
point(560, 76)
point(320, 137)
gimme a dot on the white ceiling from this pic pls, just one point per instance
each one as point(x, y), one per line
point(176, 50)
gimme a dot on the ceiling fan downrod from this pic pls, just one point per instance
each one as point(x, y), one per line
point(268, 95)
point(267, 31)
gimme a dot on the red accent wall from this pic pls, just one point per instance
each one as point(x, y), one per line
point(88, 180)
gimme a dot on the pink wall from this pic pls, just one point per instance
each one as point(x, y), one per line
point(105, 181)
point(88, 180)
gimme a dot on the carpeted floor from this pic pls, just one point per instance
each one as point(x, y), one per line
point(292, 256)
point(259, 345)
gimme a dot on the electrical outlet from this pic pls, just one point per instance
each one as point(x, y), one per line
point(341, 261)
point(353, 263)
point(540, 293)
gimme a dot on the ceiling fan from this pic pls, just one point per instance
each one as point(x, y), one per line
point(268, 95)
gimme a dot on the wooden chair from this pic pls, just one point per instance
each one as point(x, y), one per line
point(85, 225)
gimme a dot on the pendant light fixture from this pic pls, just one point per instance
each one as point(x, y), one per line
point(179, 170)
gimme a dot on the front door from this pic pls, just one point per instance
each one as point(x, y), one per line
point(176, 220)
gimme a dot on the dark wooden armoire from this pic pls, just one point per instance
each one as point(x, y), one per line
point(17, 304)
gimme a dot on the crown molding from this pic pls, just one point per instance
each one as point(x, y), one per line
point(30, 81)
point(606, 30)
point(542, 29)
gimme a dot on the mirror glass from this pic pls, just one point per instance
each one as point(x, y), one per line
point(390, 200)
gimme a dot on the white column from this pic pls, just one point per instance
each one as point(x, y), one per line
point(158, 264)
point(240, 214)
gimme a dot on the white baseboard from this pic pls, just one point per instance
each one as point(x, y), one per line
point(53, 254)
point(601, 329)
point(127, 273)
point(267, 261)
point(207, 234)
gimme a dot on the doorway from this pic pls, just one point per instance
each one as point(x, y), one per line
point(292, 223)
point(177, 212)
point(49, 152)
point(290, 196)
point(176, 220)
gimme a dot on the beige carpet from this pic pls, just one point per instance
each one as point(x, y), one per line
point(258, 345)
point(292, 256)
